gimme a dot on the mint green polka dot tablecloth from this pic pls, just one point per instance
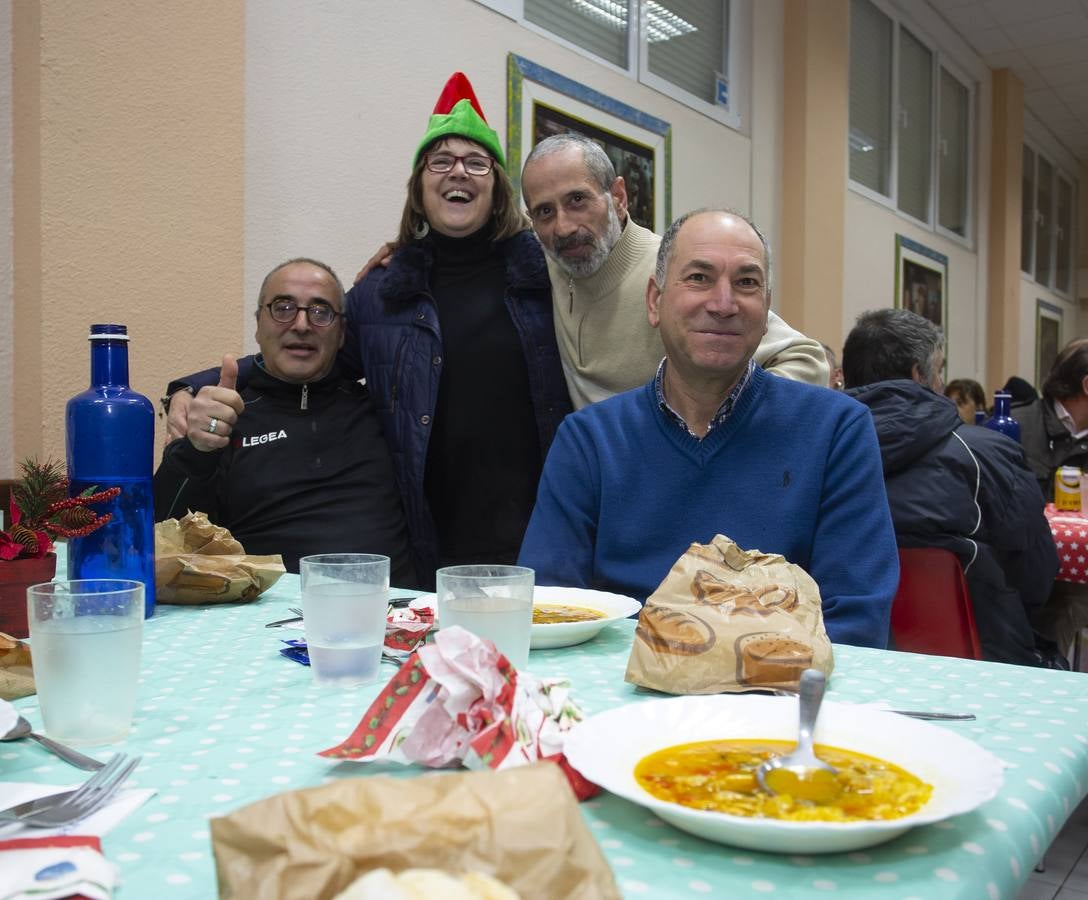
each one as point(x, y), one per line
point(223, 720)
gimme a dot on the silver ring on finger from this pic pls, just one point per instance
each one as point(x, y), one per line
point(212, 425)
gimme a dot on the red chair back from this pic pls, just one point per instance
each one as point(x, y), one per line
point(932, 611)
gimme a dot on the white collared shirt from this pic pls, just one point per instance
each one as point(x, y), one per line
point(1067, 420)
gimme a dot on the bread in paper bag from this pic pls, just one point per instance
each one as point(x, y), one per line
point(197, 561)
point(727, 619)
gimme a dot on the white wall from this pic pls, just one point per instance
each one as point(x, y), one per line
point(871, 227)
point(338, 95)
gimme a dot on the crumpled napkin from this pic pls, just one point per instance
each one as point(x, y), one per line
point(459, 700)
point(51, 868)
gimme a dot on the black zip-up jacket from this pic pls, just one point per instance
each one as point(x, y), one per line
point(967, 490)
point(1048, 443)
point(307, 471)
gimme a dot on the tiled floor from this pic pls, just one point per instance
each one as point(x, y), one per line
point(1066, 875)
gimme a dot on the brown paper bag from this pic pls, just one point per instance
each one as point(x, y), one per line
point(726, 619)
point(521, 826)
point(197, 561)
point(16, 672)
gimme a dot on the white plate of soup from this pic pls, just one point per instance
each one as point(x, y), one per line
point(609, 747)
point(565, 616)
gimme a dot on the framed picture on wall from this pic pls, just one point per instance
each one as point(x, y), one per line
point(921, 281)
point(1048, 339)
point(541, 102)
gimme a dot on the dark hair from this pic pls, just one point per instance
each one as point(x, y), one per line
point(967, 388)
point(509, 219)
point(887, 344)
point(301, 259)
point(1066, 378)
point(1021, 390)
point(664, 251)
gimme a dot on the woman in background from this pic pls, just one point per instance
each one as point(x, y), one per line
point(968, 396)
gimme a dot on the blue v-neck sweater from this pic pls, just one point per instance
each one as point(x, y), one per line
point(794, 470)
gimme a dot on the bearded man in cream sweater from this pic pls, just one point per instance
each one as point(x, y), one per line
point(600, 261)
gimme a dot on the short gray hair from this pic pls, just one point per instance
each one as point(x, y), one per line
point(887, 344)
point(598, 164)
point(301, 259)
point(664, 252)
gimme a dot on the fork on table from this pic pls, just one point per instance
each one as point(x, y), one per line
point(70, 806)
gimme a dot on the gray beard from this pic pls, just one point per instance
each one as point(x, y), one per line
point(591, 264)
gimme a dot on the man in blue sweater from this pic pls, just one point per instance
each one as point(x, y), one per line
point(712, 444)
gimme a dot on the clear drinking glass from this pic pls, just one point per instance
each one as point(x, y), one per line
point(345, 598)
point(86, 636)
point(493, 602)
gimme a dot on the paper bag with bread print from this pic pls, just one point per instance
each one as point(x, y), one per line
point(727, 619)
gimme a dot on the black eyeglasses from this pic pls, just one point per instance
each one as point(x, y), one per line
point(441, 163)
point(286, 311)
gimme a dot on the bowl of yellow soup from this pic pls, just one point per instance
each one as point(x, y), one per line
point(565, 616)
point(691, 761)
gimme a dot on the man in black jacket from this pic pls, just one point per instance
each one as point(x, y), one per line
point(1054, 427)
point(296, 464)
point(952, 485)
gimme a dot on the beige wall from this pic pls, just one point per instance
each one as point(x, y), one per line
point(128, 189)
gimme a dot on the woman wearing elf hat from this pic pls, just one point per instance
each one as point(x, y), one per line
point(456, 340)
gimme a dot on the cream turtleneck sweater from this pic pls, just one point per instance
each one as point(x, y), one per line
point(607, 344)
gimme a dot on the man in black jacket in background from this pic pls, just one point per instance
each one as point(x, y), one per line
point(297, 463)
point(952, 485)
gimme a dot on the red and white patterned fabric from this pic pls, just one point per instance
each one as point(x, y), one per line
point(1070, 530)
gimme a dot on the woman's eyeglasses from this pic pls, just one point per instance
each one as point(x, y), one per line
point(286, 311)
point(441, 163)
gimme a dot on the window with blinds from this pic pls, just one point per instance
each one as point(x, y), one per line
point(952, 150)
point(1027, 212)
point(598, 26)
point(1048, 200)
point(678, 47)
point(1044, 221)
point(870, 96)
point(1063, 238)
point(911, 121)
point(915, 125)
point(688, 44)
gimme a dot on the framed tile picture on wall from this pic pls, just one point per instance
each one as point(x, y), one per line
point(541, 102)
point(1048, 339)
point(921, 283)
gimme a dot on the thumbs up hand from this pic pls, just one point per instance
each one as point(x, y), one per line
point(215, 410)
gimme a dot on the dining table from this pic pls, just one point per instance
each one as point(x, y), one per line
point(1070, 531)
point(224, 719)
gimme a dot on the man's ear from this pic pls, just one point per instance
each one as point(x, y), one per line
point(619, 197)
point(916, 375)
point(653, 302)
point(1084, 385)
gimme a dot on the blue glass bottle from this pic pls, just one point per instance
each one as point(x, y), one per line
point(1002, 420)
point(111, 438)
point(980, 417)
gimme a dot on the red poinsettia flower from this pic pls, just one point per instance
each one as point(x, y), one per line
point(9, 549)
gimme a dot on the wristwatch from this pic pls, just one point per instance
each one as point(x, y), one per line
point(164, 402)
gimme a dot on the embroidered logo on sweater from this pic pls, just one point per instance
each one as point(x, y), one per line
point(254, 439)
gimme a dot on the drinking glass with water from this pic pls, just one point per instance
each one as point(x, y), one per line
point(493, 602)
point(345, 597)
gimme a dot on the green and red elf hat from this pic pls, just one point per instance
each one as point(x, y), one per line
point(457, 113)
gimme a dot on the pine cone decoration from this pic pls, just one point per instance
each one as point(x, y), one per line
point(76, 517)
point(29, 539)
